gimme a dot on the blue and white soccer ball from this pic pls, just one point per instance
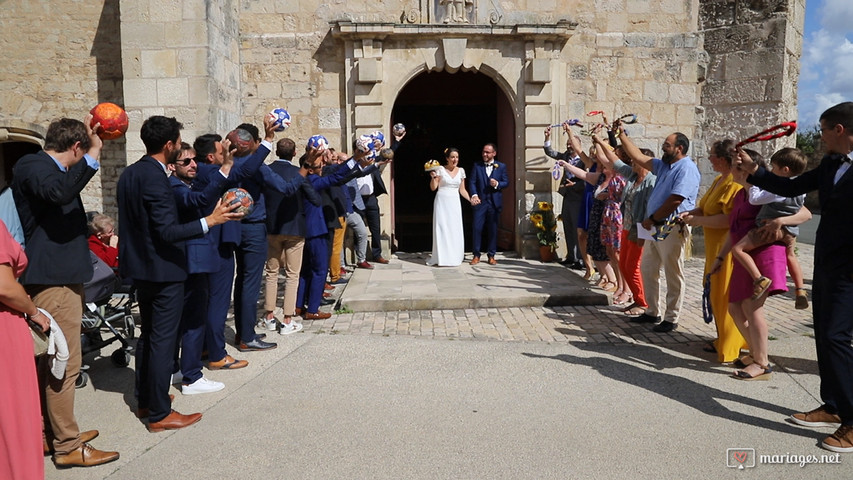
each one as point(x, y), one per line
point(377, 135)
point(281, 119)
point(364, 143)
point(319, 142)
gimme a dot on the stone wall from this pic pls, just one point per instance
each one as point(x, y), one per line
point(181, 59)
point(59, 60)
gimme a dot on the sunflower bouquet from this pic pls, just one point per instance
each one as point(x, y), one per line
point(545, 222)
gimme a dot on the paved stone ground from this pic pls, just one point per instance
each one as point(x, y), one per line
point(594, 324)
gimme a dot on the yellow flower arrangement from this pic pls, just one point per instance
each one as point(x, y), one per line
point(545, 222)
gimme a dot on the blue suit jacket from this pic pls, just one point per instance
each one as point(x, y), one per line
point(286, 216)
point(201, 252)
point(244, 167)
point(315, 222)
point(151, 246)
point(479, 184)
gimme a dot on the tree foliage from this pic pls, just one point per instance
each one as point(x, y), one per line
point(808, 140)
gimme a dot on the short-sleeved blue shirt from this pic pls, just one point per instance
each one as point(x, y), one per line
point(680, 178)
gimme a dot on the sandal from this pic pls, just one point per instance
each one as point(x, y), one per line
point(760, 287)
point(636, 310)
point(741, 362)
point(622, 298)
point(767, 372)
point(609, 287)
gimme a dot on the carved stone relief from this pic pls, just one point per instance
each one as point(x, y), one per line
point(455, 11)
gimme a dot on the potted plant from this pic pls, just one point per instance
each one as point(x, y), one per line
point(543, 219)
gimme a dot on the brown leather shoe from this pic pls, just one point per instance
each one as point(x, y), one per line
point(364, 265)
point(143, 412)
point(380, 260)
point(174, 421)
point(492, 261)
point(327, 295)
point(328, 286)
point(475, 260)
point(85, 456)
point(227, 363)
point(85, 437)
point(317, 316)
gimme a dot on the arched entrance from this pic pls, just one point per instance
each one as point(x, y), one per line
point(465, 110)
point(15, 143)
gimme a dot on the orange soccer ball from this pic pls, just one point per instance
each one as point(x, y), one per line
point(113, 120)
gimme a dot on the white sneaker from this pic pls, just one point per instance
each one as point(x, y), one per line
point(288, 328)
point(202, 385)
point(268, 323)
point(177, 377)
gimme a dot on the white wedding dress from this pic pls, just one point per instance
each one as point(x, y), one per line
point(448, 239)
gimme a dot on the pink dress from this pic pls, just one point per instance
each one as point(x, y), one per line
point(770, 259)
point(21, 455)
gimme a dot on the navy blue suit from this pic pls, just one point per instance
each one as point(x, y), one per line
point(487, 213)
point(202, 259)
point(287, 216)
point(251, 253)
point(832, 290)
point(315, 259)
point(225, 237)
point(152, 253)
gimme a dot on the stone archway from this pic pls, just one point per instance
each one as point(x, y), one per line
point(382, 60)
point(442, 109)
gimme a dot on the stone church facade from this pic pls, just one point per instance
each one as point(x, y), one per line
point(456, 72)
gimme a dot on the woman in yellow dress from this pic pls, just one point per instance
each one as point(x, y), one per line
point(712, 215)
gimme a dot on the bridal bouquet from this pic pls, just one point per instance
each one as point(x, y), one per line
point(545, 222)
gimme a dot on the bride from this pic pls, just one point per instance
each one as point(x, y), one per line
point(448, 239)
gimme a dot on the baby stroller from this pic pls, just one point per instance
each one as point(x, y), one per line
point(107, 316)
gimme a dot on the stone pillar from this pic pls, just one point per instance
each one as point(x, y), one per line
point(181, 59)
point(750, 74)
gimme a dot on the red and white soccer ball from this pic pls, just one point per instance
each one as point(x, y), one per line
point(241, 197)
point(242, 146)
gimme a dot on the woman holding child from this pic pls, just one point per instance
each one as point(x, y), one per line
point(771, 260)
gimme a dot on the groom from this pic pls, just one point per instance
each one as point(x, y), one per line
point(488, 179)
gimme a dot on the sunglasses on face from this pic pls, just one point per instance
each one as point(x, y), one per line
point(184, 162)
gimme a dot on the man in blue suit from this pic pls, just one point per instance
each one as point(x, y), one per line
point(488, 179)
point(315, 264)
point(251, 252)
point(201, 261)
point(832, 291)
point(152, 253)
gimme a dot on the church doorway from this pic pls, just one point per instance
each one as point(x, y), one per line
point(464, 110)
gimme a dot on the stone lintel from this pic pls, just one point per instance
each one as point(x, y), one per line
point(346, 30)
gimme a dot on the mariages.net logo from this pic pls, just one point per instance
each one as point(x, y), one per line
point(742, 458)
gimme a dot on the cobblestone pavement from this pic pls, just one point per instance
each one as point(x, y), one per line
point(604, 324)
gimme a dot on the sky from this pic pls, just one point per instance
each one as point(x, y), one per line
point(826, 67)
